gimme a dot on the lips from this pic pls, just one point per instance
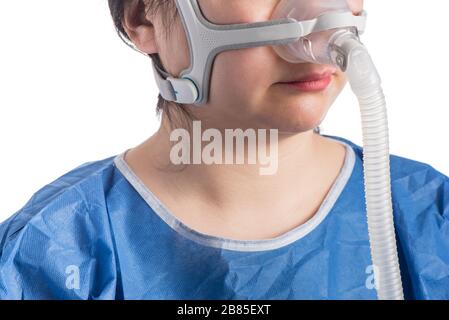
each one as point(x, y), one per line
point(313, 81)
point(312, 76)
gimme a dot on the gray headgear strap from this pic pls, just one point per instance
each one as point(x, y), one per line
point(206, 40)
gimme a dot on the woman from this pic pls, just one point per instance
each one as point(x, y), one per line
point(139, 225)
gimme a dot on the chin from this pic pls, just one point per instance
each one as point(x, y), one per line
point(294, 124)
point(301, 117)
point(298, 128)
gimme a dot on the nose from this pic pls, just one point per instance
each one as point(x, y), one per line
point(356, 6)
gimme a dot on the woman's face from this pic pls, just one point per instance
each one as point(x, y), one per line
point(246, 89)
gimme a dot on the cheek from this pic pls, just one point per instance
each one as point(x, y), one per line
point(243, 75)
point(174, 49)
point(340, 81)
point(237, 11)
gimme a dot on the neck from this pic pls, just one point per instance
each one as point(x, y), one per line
point(301, 159)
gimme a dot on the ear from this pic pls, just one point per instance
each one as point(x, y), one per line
point(138, 28)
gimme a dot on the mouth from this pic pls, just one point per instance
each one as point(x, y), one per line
point(310, 82)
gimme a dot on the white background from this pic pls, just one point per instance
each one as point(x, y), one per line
point(72, 92)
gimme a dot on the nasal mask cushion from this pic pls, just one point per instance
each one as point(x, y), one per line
point(300, 31)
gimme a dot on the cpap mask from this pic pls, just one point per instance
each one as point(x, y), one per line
point(314, 31)
point(304, 26)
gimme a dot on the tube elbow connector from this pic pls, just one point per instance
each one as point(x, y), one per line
point(352, 57)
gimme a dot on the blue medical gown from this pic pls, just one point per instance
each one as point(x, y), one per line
point(98, 233)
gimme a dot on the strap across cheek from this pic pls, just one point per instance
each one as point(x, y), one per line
point(206, 40)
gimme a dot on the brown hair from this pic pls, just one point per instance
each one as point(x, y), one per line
point(177, 114)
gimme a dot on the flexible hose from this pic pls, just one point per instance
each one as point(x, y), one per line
point(352, 56)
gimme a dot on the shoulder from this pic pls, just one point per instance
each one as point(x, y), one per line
point(408, 175)
point(420, 196)
point(59, 230)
